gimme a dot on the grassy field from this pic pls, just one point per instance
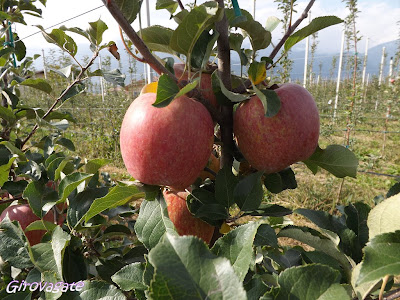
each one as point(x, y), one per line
point(375, 139)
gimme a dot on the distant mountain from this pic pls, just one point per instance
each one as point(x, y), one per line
point(297, 55)
point(325, 60)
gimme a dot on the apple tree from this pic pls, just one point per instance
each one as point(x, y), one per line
point(202, 146)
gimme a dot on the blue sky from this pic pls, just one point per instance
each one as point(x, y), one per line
point(377, 20)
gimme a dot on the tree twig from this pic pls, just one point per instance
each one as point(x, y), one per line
point(392, 295)
point(77, 80)
point(181, 5)
point(291, 29)
point(136, 40)
point(127, 48)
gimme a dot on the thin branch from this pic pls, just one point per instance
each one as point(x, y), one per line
point(9, 200)
point(392, 295)
point(291, 29)
point(136, 40)
point(127, 48)
point(77, 80)
point(181, 5)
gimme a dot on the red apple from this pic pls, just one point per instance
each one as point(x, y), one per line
point(205, 83)
point(185, 223)
point(25, 216)
point(272, 144)
point(166, 146)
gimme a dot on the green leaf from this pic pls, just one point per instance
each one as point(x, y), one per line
point(311, 238)
point(80, 204)
point(272, 23)
point(61, 39)
point(13, 245)
point(307, 282)
point(64, 72)
point(257, 72)
point(96, 30)
point(266, 236)
point(67, 143)
point(38, 196)
point(76, 89)
point(249, 193)
point(167, 89)
point(336, 159)
point(237, 246)
point(153, 222)
point(169, 5)
point(225, 183)
point(7, 115)
point(14, 150)
point(218, 86)
point(39, 84)
point(95, 289)
point(130, 277)
point(47, 257)
point(115, 77)
point(384, 217)
point(157, 38)
point(356, 220)
point(187, 88)
point(259, 37)
point(193, 24)
point(203, 204)
point(256, 288)
point(269, 100)
point(5, 170)
point(322, 219)
point(94, 165)
point(381, 257)
point(278, 182)
point(394, 190)
point(130, 9)
point(316, 25)
point(197, 273)
point(118, 195)
point(74, 263)
point(203, 48)
point(272, 210)
point(70, 183)
point(41, 225)
point(364, 289)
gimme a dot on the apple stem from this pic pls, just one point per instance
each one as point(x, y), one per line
point(224, 69)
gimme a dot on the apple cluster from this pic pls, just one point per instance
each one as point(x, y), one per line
point(170, 146)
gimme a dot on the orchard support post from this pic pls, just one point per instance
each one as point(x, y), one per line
point(338, 77)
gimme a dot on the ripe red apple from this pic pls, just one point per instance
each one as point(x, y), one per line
point(167, 146)
point(272, 144)
point(185, 223)
point(25, 216)
point(205, 83)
